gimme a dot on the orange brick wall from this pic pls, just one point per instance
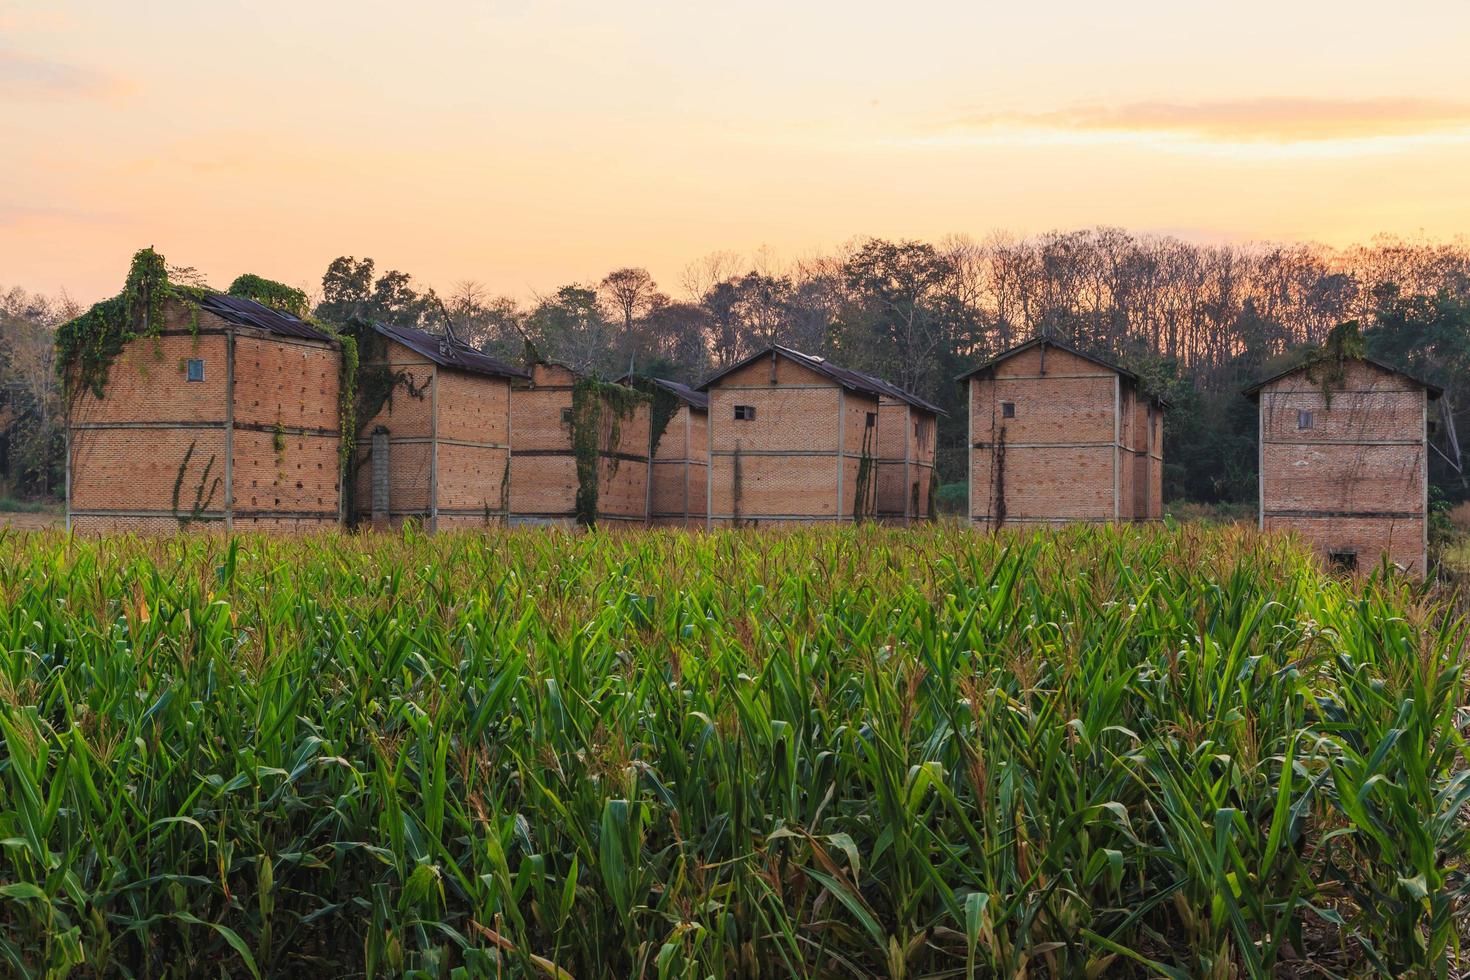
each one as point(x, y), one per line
point(1355, 481)
point(680, 471)
point(543, 485)
point(151, 454)
point(906, 458)
point(788, 454)
point(1078, 428)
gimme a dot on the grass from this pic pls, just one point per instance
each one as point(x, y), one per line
point(10, 505)
point(1181, 753)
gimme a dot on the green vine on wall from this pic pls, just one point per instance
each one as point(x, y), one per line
point(665, 405)
point(1326, 366)
point(368, 384)
point(268, 292)
point(87, 345)
point(590, 398)
point(201, 502)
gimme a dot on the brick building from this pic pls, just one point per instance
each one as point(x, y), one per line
point(679, 463)
point(437, 448)
point(227, 418)
point(907, 430)
point(1348, 472)
point(1057, 435)
point(792, 438)
point(545, 480)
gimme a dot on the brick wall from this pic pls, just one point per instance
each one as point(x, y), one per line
point(680, 471)
point(1083, 444)
point(906, 437)
point(543, 486)
point(1353, 481)
point(788, 454)
point(157, 452)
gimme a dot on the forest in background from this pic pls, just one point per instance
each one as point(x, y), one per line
point(1197, 321)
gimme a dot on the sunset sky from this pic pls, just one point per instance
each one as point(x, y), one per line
point(527, 145)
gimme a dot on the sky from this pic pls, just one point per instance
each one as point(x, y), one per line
point(527, 145)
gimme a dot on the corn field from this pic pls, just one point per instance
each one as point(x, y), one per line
point(1177, 752)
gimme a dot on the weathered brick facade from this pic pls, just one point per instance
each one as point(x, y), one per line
point(679, 466)
point(438, 448)
point(251, 444)
point(907, 431)
point(543, 463)
point(1057, 436)
point(1349, 476)
point(794, 438)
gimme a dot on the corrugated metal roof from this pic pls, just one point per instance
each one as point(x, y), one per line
point(447, 353)
point(248, 313)
point(848, 378)
point(695, 399)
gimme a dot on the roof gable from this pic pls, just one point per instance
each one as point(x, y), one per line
point(846, 377)
point(1254, 390)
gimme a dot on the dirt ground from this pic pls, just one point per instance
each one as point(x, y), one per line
point(32, 522)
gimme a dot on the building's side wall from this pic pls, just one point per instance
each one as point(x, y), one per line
point(408, 415)
point(1354, 482)
point(543, 473)
point(543, 468)
point(895, 466)
point(783, 464)
point(921, 463)
point(622, 480)
point(680, 471)
point(1057, 460)
point(473, 442)
point(149, 455)
point(286, 467)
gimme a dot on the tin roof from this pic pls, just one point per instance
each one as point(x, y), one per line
point(448, 353)
point(846, 377)
point(248, 313)
point(1434, 390)
point(686, 394)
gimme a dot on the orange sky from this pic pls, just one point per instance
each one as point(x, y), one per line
point(529, 144)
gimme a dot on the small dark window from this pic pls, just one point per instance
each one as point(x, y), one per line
point(1007, 410)
point(872, 420)
point(1343, 561)
point(745, 412)
point(196, 369)
point(1303, 419)
point(566, 416)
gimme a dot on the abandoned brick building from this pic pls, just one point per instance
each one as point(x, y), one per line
point(437, 447)
point(579, 450)
point(1344, 461)
point(679, 462)
point(225, 416)
point(908, 427)
point(1057, 435)
point(792, 438)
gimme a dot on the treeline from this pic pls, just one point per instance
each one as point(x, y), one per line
point(1197, 321)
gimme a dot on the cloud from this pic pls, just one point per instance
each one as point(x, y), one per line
point(21, 75)
point(1238, 121)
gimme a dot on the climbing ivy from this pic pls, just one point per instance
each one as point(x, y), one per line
point(87, 345)
point(368, 384)
point(1326, 365)
point(268, 292)
point(590, 398)
point(664, 406)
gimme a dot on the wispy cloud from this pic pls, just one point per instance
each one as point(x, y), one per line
point(22, 75)
point(1261, 124)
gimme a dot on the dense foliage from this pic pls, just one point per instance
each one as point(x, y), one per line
point(843, 752)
